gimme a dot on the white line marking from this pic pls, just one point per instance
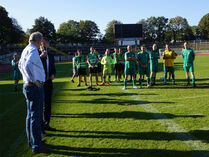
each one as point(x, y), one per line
point(186, 137)
point(172, 106)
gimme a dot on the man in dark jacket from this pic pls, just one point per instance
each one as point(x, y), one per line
point(49, 68)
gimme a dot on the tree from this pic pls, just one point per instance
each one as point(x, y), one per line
point(68, 32)
point(144, 26)
point(78, 32)
point(154, 28)
point(88, 31)
point(10, 30)
point(203, 26)
point(180, 28)
point(5, 26)
point(196, 32)
point(109, 32)
point(17, 33)
point(44, 26)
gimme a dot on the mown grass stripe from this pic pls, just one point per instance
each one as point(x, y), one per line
point(181, 133)
point(18, 141)
point(11, 108)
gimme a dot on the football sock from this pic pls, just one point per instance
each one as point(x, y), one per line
point(109, 78)
point(165, 78)
point(154, 78)
point(188, 80)
point(173, 76)
point(140, 81)
point(134, 82)
point(148, 80)
point(125, 83)
point(193, 79)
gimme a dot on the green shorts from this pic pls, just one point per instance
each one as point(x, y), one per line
point(168, 69)
point(130, 71)
point(107, 70)
point(144, 71)
point(154, 67)
point(189, 68)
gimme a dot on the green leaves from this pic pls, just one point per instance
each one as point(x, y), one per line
point(10, 31)
point(44, 26)
point(78, 32)
point(203, 26)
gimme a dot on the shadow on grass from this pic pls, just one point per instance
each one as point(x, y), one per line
point(106, 94)
point(73, 89)
point(125, 114)
point(181, 86)
point(111, 101)
point(159, 136)
point(116, 152)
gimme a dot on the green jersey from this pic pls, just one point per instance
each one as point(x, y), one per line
point(92, 57)
point(114, 56)
point(143, 57)
point(99, 56)
point(154, 56)
point(15, 65)
point(130, 64)
point(188, 56)
point(80, 62)
point(121, 57)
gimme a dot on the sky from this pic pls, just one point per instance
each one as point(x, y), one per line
point(103, 11)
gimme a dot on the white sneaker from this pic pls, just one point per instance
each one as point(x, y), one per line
point(124, 88)
point(135, 87)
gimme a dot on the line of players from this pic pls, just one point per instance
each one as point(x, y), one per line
point(126, 64)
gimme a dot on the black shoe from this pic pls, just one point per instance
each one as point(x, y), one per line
point(41, 150)
point(72, 81)
point(86, 84)
point(188, 84)
point(193, 85)
point(152, 84)
point(78, 85)
point(49, 128)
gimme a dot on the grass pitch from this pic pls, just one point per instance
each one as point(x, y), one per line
point(162, 121)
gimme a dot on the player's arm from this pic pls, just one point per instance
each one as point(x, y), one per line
point(182, 54)
point(133, 58)
point(111, 61)
point(75, 62)
point(174, 55)
point(164, 57)
point(13, 64)
point(138, 59)
point(127, 58)
point(158, 57)
point(88, 61)
point(103, 61)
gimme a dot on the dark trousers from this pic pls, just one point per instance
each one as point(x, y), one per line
point(48, 89)
point(34, 98)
